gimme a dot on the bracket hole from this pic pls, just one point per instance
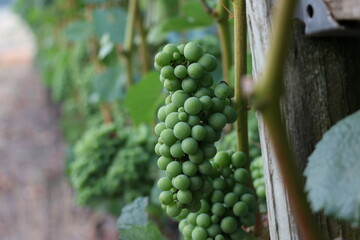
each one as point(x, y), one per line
point(310, 10)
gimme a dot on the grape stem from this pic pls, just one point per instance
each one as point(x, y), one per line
point(224, 36)
point(129, 40)
point(241, 104)
point(143, 44)
point(267, 96)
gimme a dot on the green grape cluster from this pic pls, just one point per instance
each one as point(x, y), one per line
point(189, 124)
point(228, 207)
point(257, 175)
point(112, 166)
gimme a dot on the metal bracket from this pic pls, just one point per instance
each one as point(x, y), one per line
point(319, 21)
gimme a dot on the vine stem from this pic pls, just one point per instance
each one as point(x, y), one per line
point(224, 36)
point(128, 42)
point(143, 44)
point(240, 39)
point(267, 95)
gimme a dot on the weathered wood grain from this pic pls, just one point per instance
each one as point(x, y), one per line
point(344, 9)
point(322, 85)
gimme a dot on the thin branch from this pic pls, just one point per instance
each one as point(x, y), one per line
point(268, 94)
point(208, 9)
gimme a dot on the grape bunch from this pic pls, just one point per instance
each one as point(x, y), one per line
point(191, 121)
point(230, 206)
point(257, 175)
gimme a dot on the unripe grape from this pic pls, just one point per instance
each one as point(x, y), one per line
point(206, 102)
point(215, 219)
point(195, 71)
point(173, 210)
point(217, 121)
point(193, 105)
point(173, 169)
point(168, 137)
point(180, 71)
point(157, 149)
point(238, 159)
point(193, 120)
point(202, 92)
point(217, 105)
point(213, 230)
point(222, 91)
point(203, 220)
point(183, 116)
point(219, 184)
point(179, 97)
point(207, 186)
point(182, 224)
point(167, 99)
point(161, 114)
point(187, 230)
point(189, 85)
point(195, 183)
point(191, 218)
point(184, 196)
point(206, 80)
point(240, 209)
point(170, 108)
point(193, 51)
point(164, 150)
point(164, 184)
point(172, 85)
point(222, 158)
point(181, 48)
point(166, 197)
point(176, 56)
point(219, 237)
point(260, 191)
point(198, 132)
point(197, 157)
point(167, 72)
point(176, 150)
point(157, 67)
point(249, 199)
point(226, 172)
point(240, 189)
point(228, 225)
point(241, 175)
point(181, 182)
point(162, 59)
point(230, 114)
point(182, 130)
point(163, 162)
point(159, 128)
point(194, 207)
point(189, 168)
point(205, 168)
point(217, 196)
point(171, 120)
point(209, 150)
point(218, 209)
point(170, 49)
point(199, 233)
point(230, 199)
point(189, 145)
point(208, 62)
point(210, 134)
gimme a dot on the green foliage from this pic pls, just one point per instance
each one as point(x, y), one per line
point(333, 180)
point(143, 98)
point(108, 86)
point(112, 164)
point(107, 21)
point(78, 31)
point(133, 222)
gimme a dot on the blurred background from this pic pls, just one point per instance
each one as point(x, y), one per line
point(79, 96)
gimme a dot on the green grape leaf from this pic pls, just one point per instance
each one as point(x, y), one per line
point(143, 98)
point(148, 232)
point(333, 179)
point(108, 86)
point(195, 10)
point(109, 21)
point(134, 214)
point(78, 31)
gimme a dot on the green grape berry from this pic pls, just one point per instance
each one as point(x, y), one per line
point(193, 105)
point(193, 51)
point(180, 71)
point(195, 71)
point(173, 169)
point(164, 184)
